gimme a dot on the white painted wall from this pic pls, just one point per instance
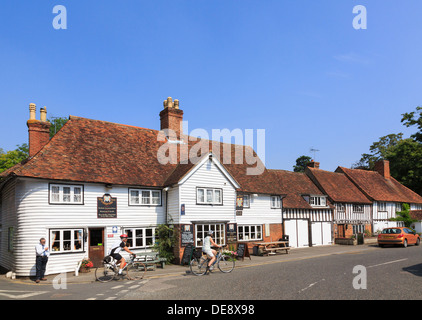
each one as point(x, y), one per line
point(207, 175)
point(36, 216)
point(260, 211)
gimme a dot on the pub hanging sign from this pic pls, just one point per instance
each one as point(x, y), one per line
point(106, 206)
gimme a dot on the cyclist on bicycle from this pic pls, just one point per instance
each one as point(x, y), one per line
point(208, 242)
point(115, 251)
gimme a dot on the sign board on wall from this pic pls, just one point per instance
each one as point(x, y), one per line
point(106, 206)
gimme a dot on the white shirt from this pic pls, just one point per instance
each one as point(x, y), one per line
point(207, 244)
point(40, 251)
point(117, 247)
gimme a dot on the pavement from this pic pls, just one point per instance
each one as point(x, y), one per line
point(177, 270)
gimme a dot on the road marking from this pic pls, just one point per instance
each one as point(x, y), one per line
point(91, 299)
point(122, 291)
point(389, 262)
point(117, 287)
point(311, 285)
point(135, 286)
point(23, 295)
point(111, 298)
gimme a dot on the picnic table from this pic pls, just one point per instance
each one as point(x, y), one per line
point(273, 246)
point(150, 259)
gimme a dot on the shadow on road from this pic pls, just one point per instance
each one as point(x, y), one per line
point(415, 269)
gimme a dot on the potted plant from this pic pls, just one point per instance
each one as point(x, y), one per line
point(86, 265)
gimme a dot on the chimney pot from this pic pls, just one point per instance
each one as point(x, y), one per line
point(32, 110)
point(43, 114)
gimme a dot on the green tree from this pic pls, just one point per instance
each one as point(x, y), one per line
point(13, 157)
point(414, 118)
point(406, 163)
point(378, 151)
point(404, 216)
point(56, 124)
point(301, 163)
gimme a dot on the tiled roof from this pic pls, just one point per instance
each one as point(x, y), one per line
point(416, 214)
point(337, 186)
point(378, 188)
point(86, 150)
point(295, 185)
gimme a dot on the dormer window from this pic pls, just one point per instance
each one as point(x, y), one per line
point(317, 201)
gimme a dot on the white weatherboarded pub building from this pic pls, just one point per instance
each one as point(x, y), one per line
point(95, 180)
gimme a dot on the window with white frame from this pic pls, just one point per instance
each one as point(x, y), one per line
point(66, 240)
point(246, 201)
point(209, 196)
point(275, 202)
point(317, 201)
point(66, 194)
point(201, 231)
point(140, 237)
point(341, 207)
point(144, 197)
point(249, 232)
point(399, 206)
point(358, 208)
point(382, 206)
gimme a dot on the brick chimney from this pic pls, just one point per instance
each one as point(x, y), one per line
point(171, 117)
point(39, 130)
point(383, 168)
point(313, 164)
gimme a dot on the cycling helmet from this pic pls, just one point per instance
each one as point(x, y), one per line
point(123, 236)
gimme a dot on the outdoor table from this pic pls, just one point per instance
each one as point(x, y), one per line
point(272, 247)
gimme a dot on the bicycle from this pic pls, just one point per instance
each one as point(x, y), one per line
point(134, 270)
point(198, 266)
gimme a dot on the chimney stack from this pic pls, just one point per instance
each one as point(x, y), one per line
point(38, 130)
point(172, 117)
point(313, 164)
point(383, 168)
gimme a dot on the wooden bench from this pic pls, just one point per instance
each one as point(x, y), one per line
point(150, 259)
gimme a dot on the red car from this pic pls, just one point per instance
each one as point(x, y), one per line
point(401, 236)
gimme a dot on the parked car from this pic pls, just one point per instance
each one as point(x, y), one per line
point(401, 236)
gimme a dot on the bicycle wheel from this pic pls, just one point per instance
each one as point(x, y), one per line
point(226, 264)
point(136, 271)
point(105, 273)
point(199, 266)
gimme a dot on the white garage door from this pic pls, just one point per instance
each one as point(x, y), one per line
point(321, 233)
point(297, 230)
point(327, 233)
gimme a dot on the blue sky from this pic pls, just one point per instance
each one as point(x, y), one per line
point(297, 69)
